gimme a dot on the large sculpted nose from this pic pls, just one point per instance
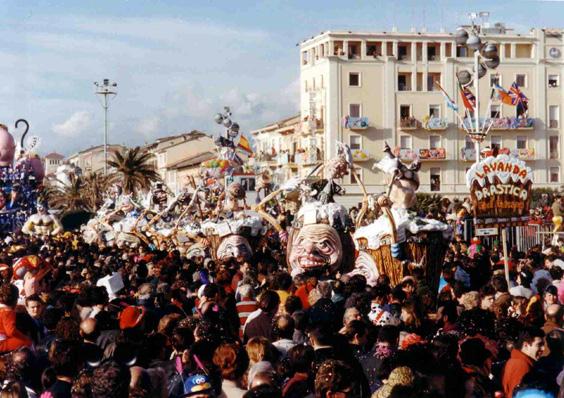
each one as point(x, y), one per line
point(309, 246)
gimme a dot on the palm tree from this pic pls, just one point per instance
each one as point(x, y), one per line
point(67, 197)
point(133, 170)
point(94, 187)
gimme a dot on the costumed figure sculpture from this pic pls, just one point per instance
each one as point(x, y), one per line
point(397, 237)
point(42, 223)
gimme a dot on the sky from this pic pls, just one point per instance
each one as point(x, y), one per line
point(177, 62)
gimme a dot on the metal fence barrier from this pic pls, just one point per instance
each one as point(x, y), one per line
point(523, 237)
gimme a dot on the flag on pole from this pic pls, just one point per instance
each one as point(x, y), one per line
point(468, 98)
point(520, 99)
point(244, 144)
point(504, 96)
point(450, 103)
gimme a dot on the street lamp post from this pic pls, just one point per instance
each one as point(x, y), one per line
point(486, 52)
point(106, 91)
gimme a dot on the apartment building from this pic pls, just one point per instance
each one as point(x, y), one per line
point(291, 146)
point(51, 162)
point(175, 155)
point(92, 160)
point(368, 88)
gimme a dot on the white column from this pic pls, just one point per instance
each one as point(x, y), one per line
point(501, 48)
point(513, 50)
point(424, 52)
point(442, 50)
point(395, 49)
point(384, 48)
point(414, 52)
point(363, 49)
point(346, 48)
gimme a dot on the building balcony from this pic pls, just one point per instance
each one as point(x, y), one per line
point(309, 157)
point(410, 123)
point(526, 154)
point(355, 123)
point(312, 127)
point(432, 154)
point(405, 154)
point(469, 154)
point(285, 158)
point(435, 123)
point(360, 155)
point(502, 123)
point(553, 124)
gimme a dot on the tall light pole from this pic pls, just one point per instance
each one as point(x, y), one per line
point(106, 91)
point(485, 56)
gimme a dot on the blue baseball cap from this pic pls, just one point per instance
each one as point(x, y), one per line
point(197, 384)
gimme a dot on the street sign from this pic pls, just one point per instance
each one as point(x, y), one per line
point(486, 231)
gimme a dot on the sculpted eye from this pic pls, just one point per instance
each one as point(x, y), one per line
point(324, 244)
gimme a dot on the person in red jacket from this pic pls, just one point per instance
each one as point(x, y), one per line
point(10, 337)
point(528, 349)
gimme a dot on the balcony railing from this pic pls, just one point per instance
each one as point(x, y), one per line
point(405, 153)
point(469, 154)
point(502, 123)
point(360, 155)
point(310, 127)
point(308, 157)
point(526, 153)
point(355, 123)
point(432, 154)
point(435, 123)
point(410, 123)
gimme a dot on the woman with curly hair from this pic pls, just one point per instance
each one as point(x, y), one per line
point(10, 337)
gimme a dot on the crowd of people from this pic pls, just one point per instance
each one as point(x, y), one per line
point(79, 320)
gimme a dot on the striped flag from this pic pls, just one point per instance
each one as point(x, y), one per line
point(468, 98)
point(450, 103)
point(244, 144)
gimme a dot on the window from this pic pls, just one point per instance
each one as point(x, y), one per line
point(435, 110)
point(553, 81)
point(495, 111)
point(356, 142)
point(496, 141)
point(405, 111)
point(405, 142)
point(403, 82)
point(402, 52)
point(358, 172)
point(432, 52)
point(304, 57)
point(434, 141)
point(354, 110)
point(553, 116)
point(555, 174)
point(461, 51)
point(435, 179)
point(431, 79)
point(354, 79)
point(553, 147)
point(521, 142)
point(521, 80)
point(495, 80)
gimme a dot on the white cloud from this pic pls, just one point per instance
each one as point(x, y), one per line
point(75, 125)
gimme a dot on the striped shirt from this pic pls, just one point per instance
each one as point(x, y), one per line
point(244, 308)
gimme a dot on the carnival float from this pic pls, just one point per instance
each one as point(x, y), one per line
point(21, 179)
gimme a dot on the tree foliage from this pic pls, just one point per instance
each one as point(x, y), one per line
point(133, 170)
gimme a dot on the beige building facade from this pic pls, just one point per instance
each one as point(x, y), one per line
point(51, 162)
point(170, 152)
point(365, 89)
point(291, 146)
point(92, 160)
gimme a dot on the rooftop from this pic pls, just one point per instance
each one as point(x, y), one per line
point(54, 155)
point(192, 161)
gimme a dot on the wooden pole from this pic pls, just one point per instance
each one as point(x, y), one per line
point(505, 254)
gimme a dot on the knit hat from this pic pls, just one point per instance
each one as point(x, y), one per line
point(131, 317)
point(402, 376)
point(197, 384)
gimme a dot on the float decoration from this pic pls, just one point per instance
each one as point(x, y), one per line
point(398, 239)
point(500, 190)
